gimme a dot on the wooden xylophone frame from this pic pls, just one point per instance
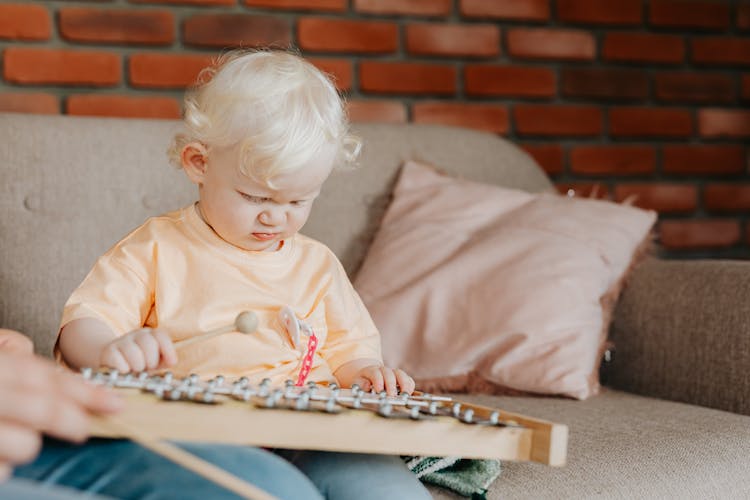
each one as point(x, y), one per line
point(319, 417)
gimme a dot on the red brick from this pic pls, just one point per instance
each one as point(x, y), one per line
point(65, 67)
point(513, 81)
point(341, 35)
point(340, 70)
point(469, 40)
point(376, 111)
point(694, 87)
point(407, 78)
point(533, 119)
point(714, 122)
point(550, 157)
point(236, 30)
point(721, 50)
point(612, 160)
point(643, 47)
point(703, 159)
point(543, 43)
point(699, 234)
point(727, 198)
point(599, 83)
point(152, 70)
point(664, 198)
point(746, 87)
point(512, 10)
point(188, 2)
point(83, 24)
point(743, 16)
point(405, 7)
point(614, 12)
point(29, 102)
point(323, 5)
point(583, 189)
point(689, 14)
point(24, 22)
point(650, 122)
point(487, 117)
point(123, 106)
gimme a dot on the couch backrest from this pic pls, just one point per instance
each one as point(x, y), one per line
point(72, 187)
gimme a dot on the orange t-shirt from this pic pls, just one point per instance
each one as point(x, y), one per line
point(175, 273)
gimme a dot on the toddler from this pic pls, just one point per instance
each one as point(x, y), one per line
point(264, 129)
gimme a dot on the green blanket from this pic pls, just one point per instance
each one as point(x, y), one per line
point(469, 478)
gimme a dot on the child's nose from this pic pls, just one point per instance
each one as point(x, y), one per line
point(271, 216)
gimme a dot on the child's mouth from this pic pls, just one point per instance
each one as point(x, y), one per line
point(264, 236)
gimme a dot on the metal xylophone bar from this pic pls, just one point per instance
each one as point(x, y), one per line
point(312, 397)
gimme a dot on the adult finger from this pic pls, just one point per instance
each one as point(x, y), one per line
point(18, 444)
point(389, 380)
point(166, 346)
point(45, 411)
point(149, 347)
point(405, 382)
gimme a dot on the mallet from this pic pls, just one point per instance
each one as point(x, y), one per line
point(245, 322)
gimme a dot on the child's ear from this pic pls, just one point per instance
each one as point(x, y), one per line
point(194, 161)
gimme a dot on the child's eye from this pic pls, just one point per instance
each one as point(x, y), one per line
point(254, 199)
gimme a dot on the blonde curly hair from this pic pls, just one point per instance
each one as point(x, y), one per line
point(280, 109)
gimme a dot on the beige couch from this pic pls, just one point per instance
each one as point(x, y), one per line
point(72, 186)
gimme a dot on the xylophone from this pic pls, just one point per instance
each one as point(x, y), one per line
point(325, 417)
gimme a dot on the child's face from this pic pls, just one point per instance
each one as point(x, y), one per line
point(248, 213)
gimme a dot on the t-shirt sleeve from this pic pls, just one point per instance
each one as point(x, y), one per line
point(118, 290)
point(351, 332)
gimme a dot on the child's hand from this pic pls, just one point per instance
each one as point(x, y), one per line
point(139, 350)
point(379, 377)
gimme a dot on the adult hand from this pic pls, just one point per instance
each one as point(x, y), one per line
point(139, 350)
point(38, 397)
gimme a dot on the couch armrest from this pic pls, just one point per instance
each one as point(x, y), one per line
point(681, 331)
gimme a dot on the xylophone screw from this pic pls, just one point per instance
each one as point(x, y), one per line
point(167, 377)
point(468, 416)
point(331, 404)
point(303, 402)
point(456, 410)
point(385, 409)
point(494, 417)
point(333, 386)
point(355, 389)
point(142, 377)
point(433, 407)
point(207, 397)
point(86, 373)
point(113, 374)
point(414, 413)
point(193, 378)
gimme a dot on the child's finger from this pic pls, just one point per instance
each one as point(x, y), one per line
point(149, 347)
point(405, 382)
point(166, 347)
point(374, 375)
point(389, 380)
point(113, 358)
point(133, 355)
point(363, 383)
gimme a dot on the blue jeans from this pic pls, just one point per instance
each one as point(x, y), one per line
point(347, 476)
point(124, 470)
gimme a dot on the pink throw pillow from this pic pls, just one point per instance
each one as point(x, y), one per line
point(477, 285)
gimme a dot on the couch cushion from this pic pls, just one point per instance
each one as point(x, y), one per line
point(74, 186)
point(626, 446)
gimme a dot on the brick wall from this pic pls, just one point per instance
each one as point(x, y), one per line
point(622, 98)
